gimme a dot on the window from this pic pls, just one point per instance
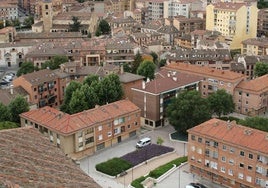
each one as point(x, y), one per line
point(89, 140)
point(242, 153)
point(224, 147)
point(128, 126)
point(247, 94)
point(241, 165)
point(250, 156)
point(249, 167)
point(207, 143)
point(207, 152)
point(200, 140)
point(216, 144)
point(193, 137)
point(223, 159)
point(240, 92)
point(100, 127)
point(231, 161)
point(230, 172)
point(80, 134)
point(249, 179)
point(100, 137)
point(80, 144)
point(109, 133)
point(232, 150)
point(223, 169)
point(240, 176)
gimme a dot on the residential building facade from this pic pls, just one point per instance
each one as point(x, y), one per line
point(251, 96)
point(262, 22)
point(229, 154)
point(236, 21)
point(255, 46)
point(153, 97)
point(89, 131)
point(8, 11)
point(213, 79)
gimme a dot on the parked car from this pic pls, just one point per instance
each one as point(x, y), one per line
point(143, 142)
point(3, 83)
point(195, 185)
point(11, 74)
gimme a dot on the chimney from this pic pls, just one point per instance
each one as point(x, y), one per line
point(174, 78)
point(143, 84)
point(11, 90)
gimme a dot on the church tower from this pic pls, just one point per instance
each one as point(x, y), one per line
point(47, 14)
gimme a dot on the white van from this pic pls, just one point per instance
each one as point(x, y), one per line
point(143, 142)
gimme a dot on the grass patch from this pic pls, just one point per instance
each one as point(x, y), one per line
point(113, 166)
point(156, 173)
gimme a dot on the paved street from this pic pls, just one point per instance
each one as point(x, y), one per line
point(179, 178)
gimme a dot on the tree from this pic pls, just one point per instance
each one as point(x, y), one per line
point(155, 57)
point(260, 69)
point(159, 140)
point(18, 106)
point(187, 110)
point(92, 98)
point(28, 22)
point(90, 79)
point(136, 63)
point(5, 113)
point(76, 25)
point(126, 67)
point(8, 125)
point(255, 122)
point(147, 69)
point(162, 62)
point(68, 95)
point(78, 101)
point(55, 62)
point(221, 102)
point(103, 28)
point(26, 67)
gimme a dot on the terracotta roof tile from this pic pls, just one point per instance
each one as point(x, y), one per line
point(234, 134)
point(28, 159)
point(259, 84)
point(67, 124)
point(205, 71)
point(163, 82)
point(228, 5)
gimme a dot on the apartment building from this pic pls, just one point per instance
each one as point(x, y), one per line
point(255, 46)
point(213, 79)
point(250, 96)
point(262, 28)
point(8, 11)
point(236, 21)
point(89, 131)
point(154, 96)
point(229, 154)
point(42, 87)
point(218, 59)
point(186, 25)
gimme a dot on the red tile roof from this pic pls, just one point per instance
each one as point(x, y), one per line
point(167, 80)
point(233, 134)
point(67, 124)
point(205, 71)
point(228, 6)
point(259, 84)
point(28, 159)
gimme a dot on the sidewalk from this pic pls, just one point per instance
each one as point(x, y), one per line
point(146, 168)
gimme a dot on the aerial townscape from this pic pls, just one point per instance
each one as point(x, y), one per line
point(134, 93)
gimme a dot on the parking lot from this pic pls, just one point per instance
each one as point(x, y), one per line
point(6, 76)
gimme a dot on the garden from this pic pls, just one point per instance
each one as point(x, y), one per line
point(117, 165)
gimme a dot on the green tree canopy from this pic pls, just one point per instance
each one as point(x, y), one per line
point(55, 62)
point(78, 101)
point(162, 62)
point(221, 103)
point(8, 125)
point(147, 69)
point(255, 122)
point(155, 57)
point(68, 95)
point(260, 69)
point(187, 110)
point(127, 67)
point(103, 28)
point(136, 63)
point(5, 113)
point(28, 22)
point(90, 79)
point(76, 25)
point(26, 67)
point(18, 106)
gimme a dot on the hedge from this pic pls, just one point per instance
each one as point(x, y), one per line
point(113, 166)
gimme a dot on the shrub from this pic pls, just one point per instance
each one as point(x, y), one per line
point(156, 173)
point(137, 182)
point(113, 166)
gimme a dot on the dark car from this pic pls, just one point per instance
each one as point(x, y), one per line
point(195, 185)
